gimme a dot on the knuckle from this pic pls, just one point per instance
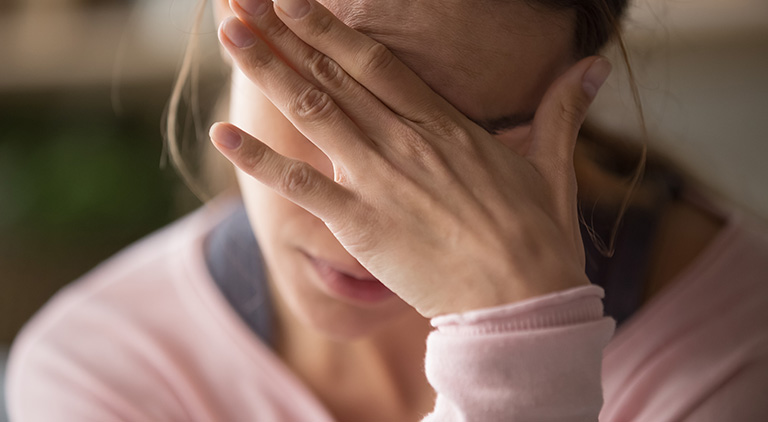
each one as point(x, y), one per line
point(253, 161)
point(446, 128)
point(312, 104)
point(375, 59)
point(320, 25)
point(274, 29)
point(297, 178)
point(572, 112)
point(326, 71)
point(421, 150)
point(259, 57)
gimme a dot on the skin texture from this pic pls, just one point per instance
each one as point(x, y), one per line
point(388, 173)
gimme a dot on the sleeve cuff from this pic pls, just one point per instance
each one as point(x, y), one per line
point(573, 306)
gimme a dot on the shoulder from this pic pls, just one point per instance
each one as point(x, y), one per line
point(739, 397)
point(701, 340)
point(82, 353)
point(134, 282)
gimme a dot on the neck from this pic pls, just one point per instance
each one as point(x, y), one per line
point(378, 377)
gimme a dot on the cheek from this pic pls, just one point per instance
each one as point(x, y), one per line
point(278, 224)
point(253, 112)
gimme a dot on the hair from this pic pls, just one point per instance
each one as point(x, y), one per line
point(597, 25)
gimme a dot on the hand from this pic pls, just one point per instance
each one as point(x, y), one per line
point(436, 208)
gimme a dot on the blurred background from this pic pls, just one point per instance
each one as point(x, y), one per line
point(83, 86)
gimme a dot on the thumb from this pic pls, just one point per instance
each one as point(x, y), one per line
point(563, 110)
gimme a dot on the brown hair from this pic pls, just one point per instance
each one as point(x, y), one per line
point(597, 24)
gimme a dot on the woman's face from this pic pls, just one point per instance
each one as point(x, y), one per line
point(489, 58)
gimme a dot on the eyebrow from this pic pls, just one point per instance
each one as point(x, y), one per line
point(500, 124)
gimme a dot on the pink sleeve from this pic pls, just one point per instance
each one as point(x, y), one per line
point(739, 398)
point(534, 360)
point(80, 373)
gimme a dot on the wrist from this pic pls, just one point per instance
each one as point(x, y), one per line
point(489, 295)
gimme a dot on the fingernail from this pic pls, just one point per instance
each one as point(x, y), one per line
point(595, 76)
point(293, 8)
point(226, 137)
point(254, 7)
point(239, 34)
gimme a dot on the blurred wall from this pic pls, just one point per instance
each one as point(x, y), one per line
point(702, 67)
point(83, 86)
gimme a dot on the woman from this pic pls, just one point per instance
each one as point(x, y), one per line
point(408, 189)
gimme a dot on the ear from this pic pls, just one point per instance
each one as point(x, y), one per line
point(221, 11)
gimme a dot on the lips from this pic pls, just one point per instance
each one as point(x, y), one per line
point(355, 284)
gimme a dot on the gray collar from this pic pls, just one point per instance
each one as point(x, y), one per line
point(235, 263)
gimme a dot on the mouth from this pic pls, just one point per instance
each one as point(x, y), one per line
point(355, 284)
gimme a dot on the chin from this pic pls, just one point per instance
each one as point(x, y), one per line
point(339, 320)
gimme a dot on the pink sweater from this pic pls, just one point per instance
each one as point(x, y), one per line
point(147, 336)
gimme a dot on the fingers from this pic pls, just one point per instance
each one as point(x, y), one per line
point(295, 180)
point(555, 130)
point(311, 110)
point(370, 63)
point(317, 68)
point(563, 110)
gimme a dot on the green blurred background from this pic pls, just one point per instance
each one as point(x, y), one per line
point(83, 88)
point(77, 183)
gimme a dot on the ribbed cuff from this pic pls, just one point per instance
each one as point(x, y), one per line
point(573, 306)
